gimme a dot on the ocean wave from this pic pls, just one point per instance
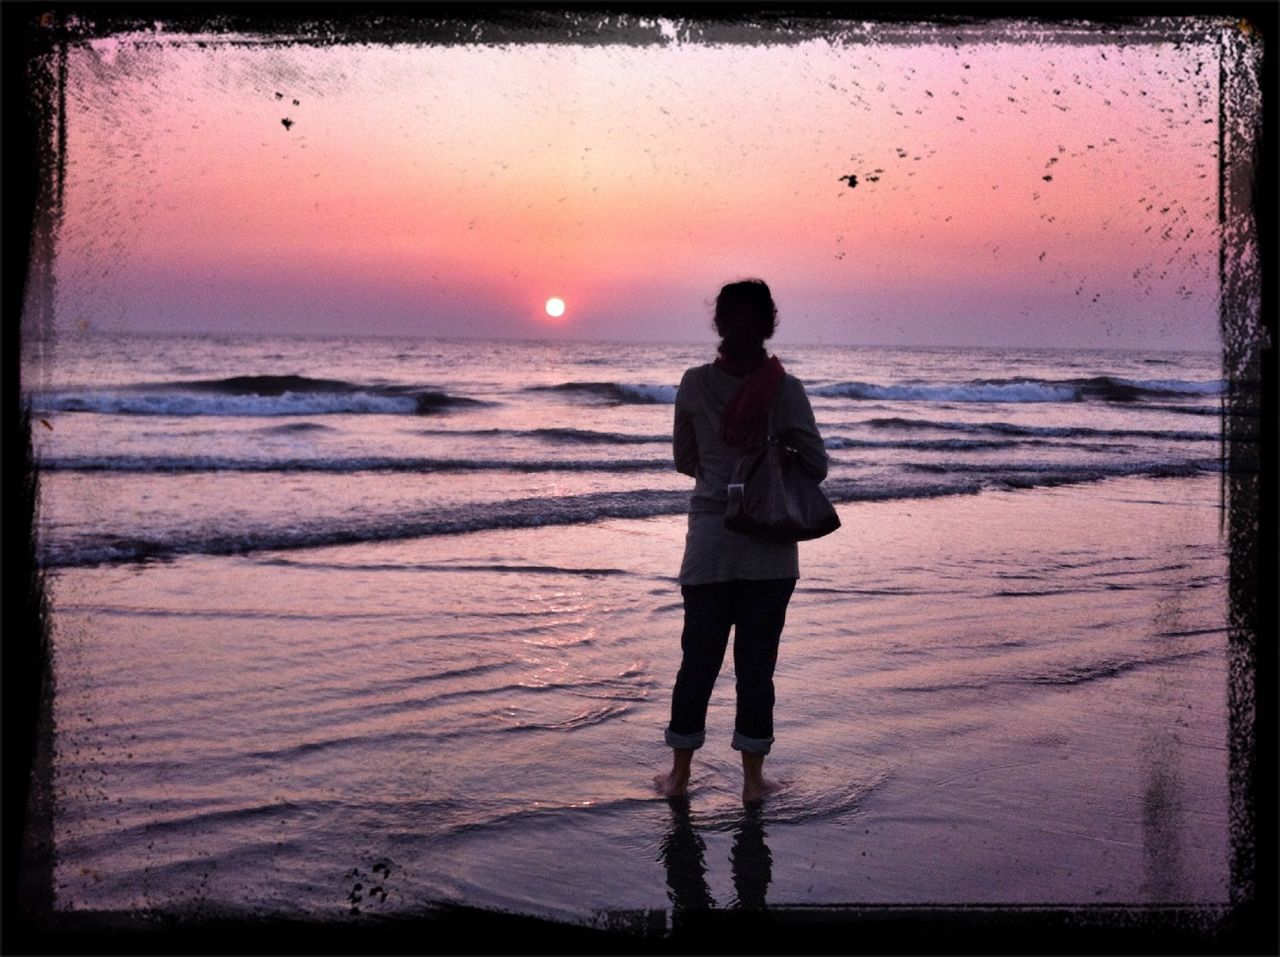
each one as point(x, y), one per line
point(837, 442)
point(449, 567)
point(267, 395)
point(217, 463)
point(1212, 410)
point(1236, 464)
point(264, 385)
point(295, 428)
point(1023, 390)
point(1059, 473)
point(603, 438)
point(1115, 389)
point(971, 392)
point(617, 393)
point(1043, 431)
point(97, 548)
point(552, 435)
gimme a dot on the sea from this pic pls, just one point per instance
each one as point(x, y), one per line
point(351, 626)
point(223, 445)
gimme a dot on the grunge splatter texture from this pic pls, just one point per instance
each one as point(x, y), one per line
point(974, 187)
point(326, 641)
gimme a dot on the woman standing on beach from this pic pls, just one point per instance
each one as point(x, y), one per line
point(728, 579)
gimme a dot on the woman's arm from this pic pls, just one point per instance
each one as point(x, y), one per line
point(684, 439)
point(802, 432)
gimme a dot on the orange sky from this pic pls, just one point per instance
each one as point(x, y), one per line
point(451, 190)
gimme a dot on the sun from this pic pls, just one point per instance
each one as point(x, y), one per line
point(555, 307)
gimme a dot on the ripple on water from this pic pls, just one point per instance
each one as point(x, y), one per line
point(807, 797)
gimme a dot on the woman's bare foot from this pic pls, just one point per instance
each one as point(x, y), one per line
point(755, 786)
point(672, 784)
point(758, 789)
point(675, 783)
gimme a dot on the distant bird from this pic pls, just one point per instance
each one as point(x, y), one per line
point(1047, 178)
point(851, 179)
point(296, 103)
point(287, 122)
point(279, 96)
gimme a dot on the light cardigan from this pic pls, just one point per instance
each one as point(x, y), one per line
point(713, 553)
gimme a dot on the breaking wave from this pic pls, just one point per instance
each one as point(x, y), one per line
point(266, 395)
point(1102, 388)
point(617, 393)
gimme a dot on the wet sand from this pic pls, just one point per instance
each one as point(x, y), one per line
point(1012, 698)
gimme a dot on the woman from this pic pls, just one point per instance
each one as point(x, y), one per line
point(730, 580)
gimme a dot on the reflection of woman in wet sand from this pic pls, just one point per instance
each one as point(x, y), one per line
point(730, 580)
point(684, 855)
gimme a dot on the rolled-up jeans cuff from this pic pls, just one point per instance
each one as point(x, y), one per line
point(752, 745)
point(686, 742)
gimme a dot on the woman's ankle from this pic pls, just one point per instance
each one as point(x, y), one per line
point(681, 761)
point(752, 766)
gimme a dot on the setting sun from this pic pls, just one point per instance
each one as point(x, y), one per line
point(555, 307)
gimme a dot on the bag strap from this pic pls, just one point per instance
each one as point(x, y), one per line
point(770, 435)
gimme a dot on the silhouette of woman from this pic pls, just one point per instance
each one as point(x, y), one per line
point(728, 579)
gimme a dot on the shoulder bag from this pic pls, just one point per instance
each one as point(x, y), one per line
point(772, 496)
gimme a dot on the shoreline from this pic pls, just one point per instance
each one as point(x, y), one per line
point(909, 820)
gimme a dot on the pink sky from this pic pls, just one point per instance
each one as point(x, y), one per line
point(450, 190)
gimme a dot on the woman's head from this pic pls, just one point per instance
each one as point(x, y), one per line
point(745, 318)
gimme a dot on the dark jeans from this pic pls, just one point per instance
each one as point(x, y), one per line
point(756, 610)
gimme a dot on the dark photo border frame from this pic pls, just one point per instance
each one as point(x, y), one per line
point(34, 39)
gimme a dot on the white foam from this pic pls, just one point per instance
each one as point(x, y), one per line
point(984, 392)
point(190, 404)
point(650, 393)
point(1215, 387)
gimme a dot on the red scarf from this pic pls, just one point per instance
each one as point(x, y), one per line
point(746, 417)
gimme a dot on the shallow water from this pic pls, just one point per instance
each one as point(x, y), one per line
point(346, 627)
point(1017, 696)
